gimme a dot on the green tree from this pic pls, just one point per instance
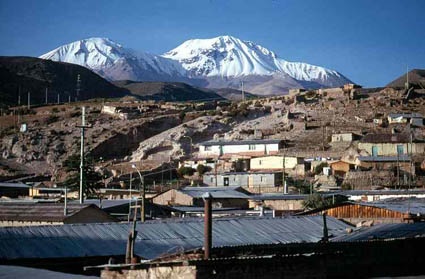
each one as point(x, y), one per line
point(183, 171)
point(92, 180)
point(316, 201)
point(201, 169)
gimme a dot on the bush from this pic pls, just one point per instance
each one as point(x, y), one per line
point(185, 171)
point(319, 168)
point(201, 169)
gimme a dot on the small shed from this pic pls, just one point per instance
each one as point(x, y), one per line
point(234, 197)
point(341, 167)
point(282, 203)
point(388, 211)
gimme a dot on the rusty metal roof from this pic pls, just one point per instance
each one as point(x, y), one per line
point(156, 238)
point(38, 212)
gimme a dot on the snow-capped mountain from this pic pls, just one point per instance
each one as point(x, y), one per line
point(113, 61)
point(219, 62)
point(230, 57)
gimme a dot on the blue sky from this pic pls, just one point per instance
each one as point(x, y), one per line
point(369, 41)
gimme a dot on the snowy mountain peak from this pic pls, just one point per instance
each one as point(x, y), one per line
point(112, 60)
point(227, 56)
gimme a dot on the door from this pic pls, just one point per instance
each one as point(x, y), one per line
point(226, 181)
point(374, 151)
point(400, 149)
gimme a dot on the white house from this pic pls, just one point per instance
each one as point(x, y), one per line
point(239, 147)
point(404, 117)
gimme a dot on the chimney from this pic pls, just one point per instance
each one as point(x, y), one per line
point(207, 225)
point(325, 228)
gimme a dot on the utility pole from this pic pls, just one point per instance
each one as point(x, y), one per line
point(83, 127)
point(19, 95)
point(411, 161)
point(78, 89)
point(29, 100)
point(243, 93)
point(46, 96)
point(58, 98)
point(285, 190)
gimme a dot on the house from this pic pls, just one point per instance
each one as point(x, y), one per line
point(16, 214)
point(402, 162)
point(397, 118)
point(243, 179)
point(391, 144)
point(341, 167)
point(344, 137)
point(387, 211)
point(216, 148)
point(350, 86)
point(274, 162)
point(281, 203)
point(234, 197)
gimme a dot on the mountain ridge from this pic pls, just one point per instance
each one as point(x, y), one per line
point(216, 62)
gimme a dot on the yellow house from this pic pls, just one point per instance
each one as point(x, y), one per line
point(273, 163)
point(391, 145)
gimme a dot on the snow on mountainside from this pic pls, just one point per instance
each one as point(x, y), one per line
point(227, 56)
point(221, 62)
point(112, 60)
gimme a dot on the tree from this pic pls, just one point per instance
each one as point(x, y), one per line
point(183, 171)
point(201, 169)
point(92, 180)
point(316, 201)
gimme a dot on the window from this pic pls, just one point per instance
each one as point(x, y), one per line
point(252, 147)
point(208, 148)
point(259, 162)
point(212, 179)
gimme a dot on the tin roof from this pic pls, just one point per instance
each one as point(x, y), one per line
point(400, 158)
point(157, 238)
point(216, 192)
point(405, 115)
point(386, 138)
point(403, 205)
point(385, 231)
point(278, 196)
point(13, 185)
point(38, 212)
point(240, 142)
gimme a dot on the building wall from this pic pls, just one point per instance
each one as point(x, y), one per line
point(273, 163)
point(243, 179)
point(223, 203)
point(345, 137)
point(216, 150)
point(390, 149)
point(173, 197)
point(278, 204)
point(340, 167)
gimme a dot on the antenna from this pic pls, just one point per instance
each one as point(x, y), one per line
point(83, 127)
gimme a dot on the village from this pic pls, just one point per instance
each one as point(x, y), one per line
point(207, 189)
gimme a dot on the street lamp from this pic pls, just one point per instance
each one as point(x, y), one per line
point(143, 193)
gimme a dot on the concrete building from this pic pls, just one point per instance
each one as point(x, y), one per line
point(274, 162)
point(397, 118)
point(343, 137)
point(240, 147)
point(282, 204)
point(243, 179)
point(391, 145)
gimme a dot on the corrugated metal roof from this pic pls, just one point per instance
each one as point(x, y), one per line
point(216, 192)
point(240, 142)
point(386, 138)
point(405, 115)
point(13, 272)
point(156, 238)
point(14, 185)
point(380, 192)
point(400, 158)
point(403, 205)
point(385, 231)
point(38, 212)
point(278, 196)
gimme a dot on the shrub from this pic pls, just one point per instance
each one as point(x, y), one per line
point(185, 171)
point(201, 169)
